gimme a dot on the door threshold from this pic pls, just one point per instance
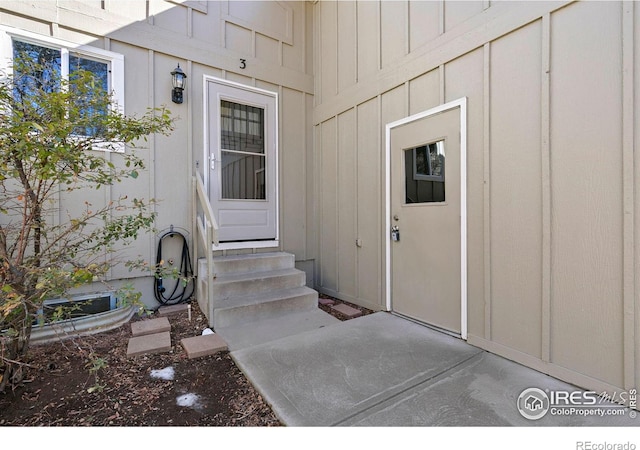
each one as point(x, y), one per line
point(242, 245)
point(428, 325)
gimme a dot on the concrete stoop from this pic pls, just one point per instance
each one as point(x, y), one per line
point(267, 330)
point(154, 336)
point(261, 297)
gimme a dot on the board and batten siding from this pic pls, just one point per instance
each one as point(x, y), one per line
point(205, 38)
point(553, 184)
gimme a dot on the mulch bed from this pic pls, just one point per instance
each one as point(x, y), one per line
point(90, 381)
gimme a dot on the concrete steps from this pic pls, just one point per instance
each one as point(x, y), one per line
point(252, 263)
point(265, 305)
point(232, 288)
point(260, 297)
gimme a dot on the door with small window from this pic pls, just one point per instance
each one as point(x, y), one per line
point(425, 205)
point(242, 145)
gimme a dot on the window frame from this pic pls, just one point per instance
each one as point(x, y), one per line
point(114, 60)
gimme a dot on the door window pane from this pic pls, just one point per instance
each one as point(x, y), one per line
point(424, 173)
point(243, 151)
point(242, 127)
point(243, 176)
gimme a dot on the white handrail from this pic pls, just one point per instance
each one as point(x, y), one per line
point(206, 228)
point(200, 195)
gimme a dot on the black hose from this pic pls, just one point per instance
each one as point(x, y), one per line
point(186, 273)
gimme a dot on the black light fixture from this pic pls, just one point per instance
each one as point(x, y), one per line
point(179, 80)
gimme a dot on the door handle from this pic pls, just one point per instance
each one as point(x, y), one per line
point(212, 162)
point(395, 233)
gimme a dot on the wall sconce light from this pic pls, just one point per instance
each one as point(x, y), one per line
point(179, 81)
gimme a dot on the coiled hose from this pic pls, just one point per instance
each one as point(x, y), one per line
point(182, 290)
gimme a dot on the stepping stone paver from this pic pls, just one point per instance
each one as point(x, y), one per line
point(347, 310)
point(173, 309)
point(326, 301)
point(204, 345)
point(150, 326)
point(149, 343)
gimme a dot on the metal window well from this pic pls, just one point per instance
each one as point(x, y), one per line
point(104, 316)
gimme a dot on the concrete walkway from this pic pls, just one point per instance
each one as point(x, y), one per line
point(382, 370)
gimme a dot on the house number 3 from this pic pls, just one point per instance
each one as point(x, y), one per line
point(243, 63)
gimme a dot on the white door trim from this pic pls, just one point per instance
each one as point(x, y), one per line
point(462, 104)
point(206, 162)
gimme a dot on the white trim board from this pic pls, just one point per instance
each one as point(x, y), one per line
point(462, 104)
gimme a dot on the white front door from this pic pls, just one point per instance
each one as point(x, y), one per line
point(242, 155)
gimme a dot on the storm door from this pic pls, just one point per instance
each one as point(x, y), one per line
point(242, 146)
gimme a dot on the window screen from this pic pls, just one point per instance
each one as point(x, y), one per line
point(243, 151)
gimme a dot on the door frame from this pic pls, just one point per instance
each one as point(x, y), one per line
point(206, 79)
point(462, 104)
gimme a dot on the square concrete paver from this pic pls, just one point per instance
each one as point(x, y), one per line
point(326, 301)
point(204, 345)
point(149, 343)
point(150, 326)
point(347, 310)
point(173, 310)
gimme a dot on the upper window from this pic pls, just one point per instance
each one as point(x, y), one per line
point(62, 60)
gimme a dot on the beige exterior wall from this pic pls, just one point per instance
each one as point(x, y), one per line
point(552, 187)
point(206, 38)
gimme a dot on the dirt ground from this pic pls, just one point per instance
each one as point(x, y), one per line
point(90, 381)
